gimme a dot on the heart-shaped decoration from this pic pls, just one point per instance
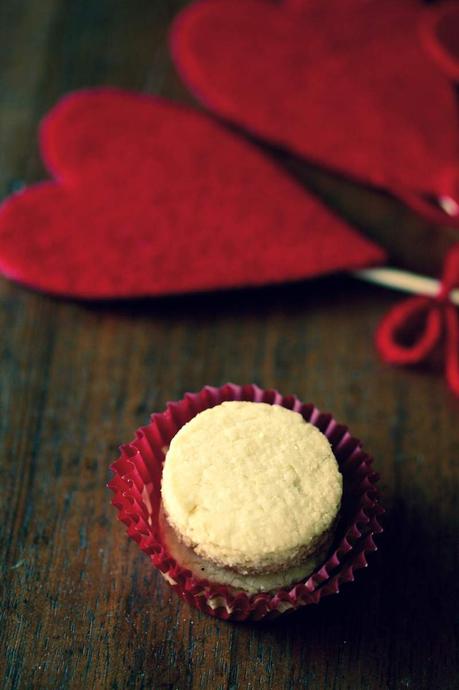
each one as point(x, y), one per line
point(152, 198)
point(349, 84)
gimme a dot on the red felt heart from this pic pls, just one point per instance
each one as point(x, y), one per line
point(153, 198)
point(347, 83)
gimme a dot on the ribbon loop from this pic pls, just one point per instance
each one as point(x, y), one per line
point(394, 333)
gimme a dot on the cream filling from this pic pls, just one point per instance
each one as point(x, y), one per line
point(204, 569)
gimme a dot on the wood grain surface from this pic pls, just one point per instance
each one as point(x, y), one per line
point(81, 605)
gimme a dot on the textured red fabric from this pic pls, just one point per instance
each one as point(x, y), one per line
point(441, 323)
point(349, 84)
point(152, 198)
point(440, 33)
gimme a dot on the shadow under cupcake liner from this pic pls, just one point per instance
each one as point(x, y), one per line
point(136, 485)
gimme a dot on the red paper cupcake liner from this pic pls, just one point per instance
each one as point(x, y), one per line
point(136, 486)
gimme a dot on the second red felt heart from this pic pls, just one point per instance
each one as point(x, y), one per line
point(152, 198)
point(347, 83)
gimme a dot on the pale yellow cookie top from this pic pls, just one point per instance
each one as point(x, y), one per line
point(251, 486)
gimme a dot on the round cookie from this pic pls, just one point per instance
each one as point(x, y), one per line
point(251, 488)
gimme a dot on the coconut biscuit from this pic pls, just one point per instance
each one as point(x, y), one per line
point(251, 487)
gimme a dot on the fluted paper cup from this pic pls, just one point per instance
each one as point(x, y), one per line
point(136, 486)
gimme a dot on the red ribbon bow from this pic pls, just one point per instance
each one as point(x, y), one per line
point(440, 325)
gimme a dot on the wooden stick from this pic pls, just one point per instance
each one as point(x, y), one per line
point(403, 280)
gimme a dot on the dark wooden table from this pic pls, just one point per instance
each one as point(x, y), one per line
point(82, 607)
